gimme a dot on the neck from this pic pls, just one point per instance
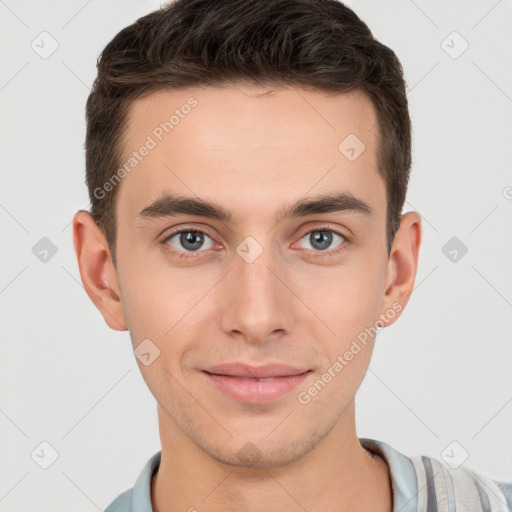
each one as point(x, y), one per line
point(338, 474)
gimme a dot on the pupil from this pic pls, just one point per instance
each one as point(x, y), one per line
point(323, 238)
point(187, 240)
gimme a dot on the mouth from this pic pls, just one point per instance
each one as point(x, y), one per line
point(264, 379)
point(245, 371)
point(255, 385)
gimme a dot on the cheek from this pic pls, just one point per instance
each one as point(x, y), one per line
point(165, 306)
point(348, 305)
point(345, 299)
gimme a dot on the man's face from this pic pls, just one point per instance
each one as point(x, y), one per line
point(252, 289)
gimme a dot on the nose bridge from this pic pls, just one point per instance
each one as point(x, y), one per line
point(258, 303)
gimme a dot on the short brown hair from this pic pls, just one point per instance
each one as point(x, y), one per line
point(315, 44)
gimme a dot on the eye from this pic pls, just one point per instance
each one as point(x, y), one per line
point(322, 239)
point(188, 240)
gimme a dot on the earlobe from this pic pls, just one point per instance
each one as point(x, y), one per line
point(402, 266)
point(96, 269)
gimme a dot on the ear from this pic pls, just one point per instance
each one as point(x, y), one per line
point(402, 267)
point(97, 270)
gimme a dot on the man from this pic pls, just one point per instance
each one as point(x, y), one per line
point(247, 164)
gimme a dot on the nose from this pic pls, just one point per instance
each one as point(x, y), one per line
point(257, 303)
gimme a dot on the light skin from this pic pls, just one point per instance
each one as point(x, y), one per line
point(254, 151)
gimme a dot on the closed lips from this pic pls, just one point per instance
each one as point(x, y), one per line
point(262, 379)
point(255, 384)
point(247, 372)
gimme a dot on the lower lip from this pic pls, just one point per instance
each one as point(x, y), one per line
point(254, 391)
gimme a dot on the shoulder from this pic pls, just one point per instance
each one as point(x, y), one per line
point(423, 484)
point(461, 488)
point(123, 503)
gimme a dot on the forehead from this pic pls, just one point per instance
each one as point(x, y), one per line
point(248, 144)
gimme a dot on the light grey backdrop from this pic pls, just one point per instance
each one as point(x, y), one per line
point(440, 382)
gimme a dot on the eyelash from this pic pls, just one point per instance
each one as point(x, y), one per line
point(320, 254)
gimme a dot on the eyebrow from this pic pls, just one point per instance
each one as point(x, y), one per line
point(172, 205)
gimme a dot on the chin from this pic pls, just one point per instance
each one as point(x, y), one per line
point(262, 453)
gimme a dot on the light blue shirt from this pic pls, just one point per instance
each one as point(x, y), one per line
point(419, 483)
